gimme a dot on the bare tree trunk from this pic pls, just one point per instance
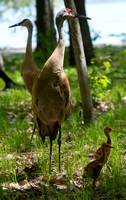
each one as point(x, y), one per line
point(71, 52)
point(46, 37)
point(87, 43)
point(76, 37)
point(1, 63)
point(85, 32)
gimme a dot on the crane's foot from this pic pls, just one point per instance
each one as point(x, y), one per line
point(59, 143)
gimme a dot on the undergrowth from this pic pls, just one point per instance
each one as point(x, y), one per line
point(23, 158)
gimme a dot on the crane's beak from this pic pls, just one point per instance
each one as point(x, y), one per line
point(14, 25)
point(81, 16)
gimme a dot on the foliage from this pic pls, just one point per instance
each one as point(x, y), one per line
point(98, 79)
point(122, 36)
point(15, 5)
point(95, 35)
point(19, 5)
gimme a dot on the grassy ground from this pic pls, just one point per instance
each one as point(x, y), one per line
point(24, 162)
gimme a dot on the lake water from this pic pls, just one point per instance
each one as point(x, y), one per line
point(108, 17)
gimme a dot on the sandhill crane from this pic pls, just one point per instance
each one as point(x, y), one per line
point(51, 90)
point(98, 153)
point(29, 70)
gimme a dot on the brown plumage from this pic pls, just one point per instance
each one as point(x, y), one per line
point(93, 168)
point(50, 89)
point(29, 70)
point(98, 153)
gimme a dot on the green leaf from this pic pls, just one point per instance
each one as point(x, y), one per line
point(107, 64)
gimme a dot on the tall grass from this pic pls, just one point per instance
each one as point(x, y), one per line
point(78, 141)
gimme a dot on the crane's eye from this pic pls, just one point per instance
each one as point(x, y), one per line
point(23, 20)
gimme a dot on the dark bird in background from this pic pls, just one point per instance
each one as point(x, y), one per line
point(98, 153)
point(93, 168)
point(50, 87)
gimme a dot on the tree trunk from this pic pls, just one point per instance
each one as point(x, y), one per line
point(87, 42)
point(87, 104)
point(46, 37)
point(1, 63)
point(71, 53)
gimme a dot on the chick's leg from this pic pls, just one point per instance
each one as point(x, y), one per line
point(109, 168)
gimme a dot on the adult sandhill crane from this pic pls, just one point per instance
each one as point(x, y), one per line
point(51, 90)
point(98, 153)
point(29, 70)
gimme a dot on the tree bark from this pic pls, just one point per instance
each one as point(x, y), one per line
point(87, 42)
point(76, 37)
point(46, 37)
point(1, 63)
point(71, 52)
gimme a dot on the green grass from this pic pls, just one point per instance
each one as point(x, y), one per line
point(23, 159)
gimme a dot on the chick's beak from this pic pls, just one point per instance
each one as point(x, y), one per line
point(113, 130)
point(111, 147)
point(81, 16)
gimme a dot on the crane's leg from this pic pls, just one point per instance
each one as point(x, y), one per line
point(94, 183)
point(50, 150)
point(59, 142)
point(50, 155)
point(33, 131)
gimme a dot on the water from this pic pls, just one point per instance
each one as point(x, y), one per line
point(108, 17)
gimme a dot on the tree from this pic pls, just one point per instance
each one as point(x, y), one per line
point(46, 37)
point(87, 42)
point(76, 37)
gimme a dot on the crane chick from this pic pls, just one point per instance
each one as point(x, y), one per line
point(93, 168)
point(98, 153)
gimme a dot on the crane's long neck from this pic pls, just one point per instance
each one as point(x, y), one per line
point(55, 61)
point(61, 41)
point(28, 54)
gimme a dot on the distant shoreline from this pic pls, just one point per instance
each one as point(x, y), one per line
point(7, 52)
